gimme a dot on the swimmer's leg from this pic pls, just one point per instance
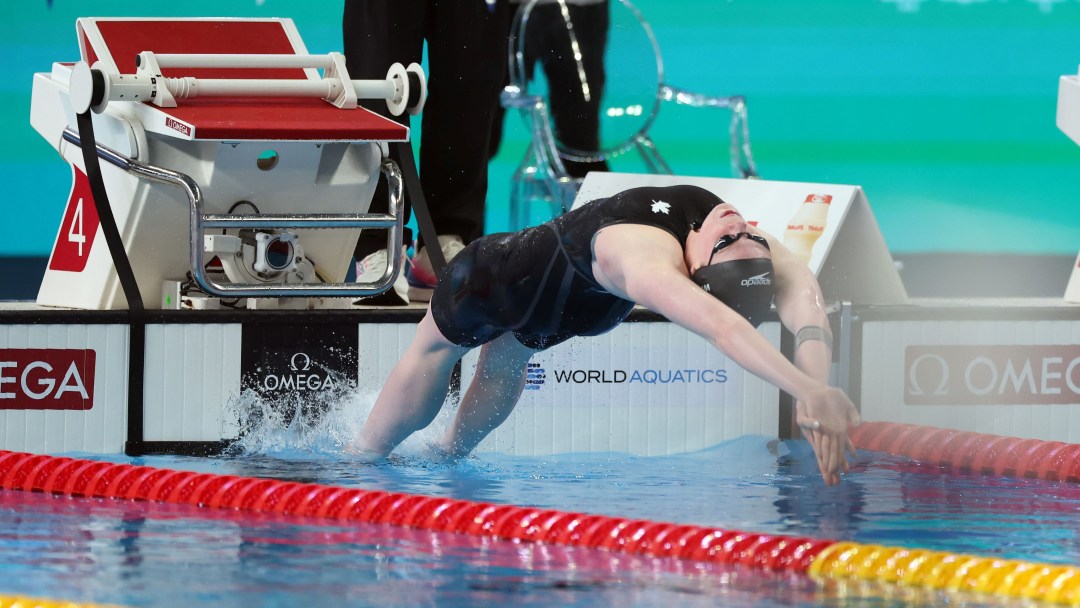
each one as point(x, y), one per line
point(413, 394)
point(492, 394)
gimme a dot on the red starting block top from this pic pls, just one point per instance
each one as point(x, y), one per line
point(117, 42)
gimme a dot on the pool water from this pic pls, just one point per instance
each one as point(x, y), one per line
point(165, 555)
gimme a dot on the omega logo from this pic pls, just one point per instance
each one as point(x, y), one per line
point(302, 357)
point(992, 374)
point(298, 375)
point(46, 379)
point(915, 386)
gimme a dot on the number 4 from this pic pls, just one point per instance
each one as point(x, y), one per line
point(75, 232)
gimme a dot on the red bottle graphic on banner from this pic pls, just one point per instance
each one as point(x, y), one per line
point(806, 226)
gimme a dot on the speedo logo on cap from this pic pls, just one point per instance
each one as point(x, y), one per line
point(761, 279)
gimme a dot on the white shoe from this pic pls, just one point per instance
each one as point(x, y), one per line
point(421, 275)
point(371, 269)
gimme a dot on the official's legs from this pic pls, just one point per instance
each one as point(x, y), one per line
point(465, 49)
point(492, 394)
point(413, 394)
point(376, 34)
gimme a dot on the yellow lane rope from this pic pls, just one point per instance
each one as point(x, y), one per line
point(34, 602)
point(950, 571)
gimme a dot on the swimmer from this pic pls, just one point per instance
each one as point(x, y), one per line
point(679, 251)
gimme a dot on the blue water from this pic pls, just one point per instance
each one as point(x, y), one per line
point(168, 555)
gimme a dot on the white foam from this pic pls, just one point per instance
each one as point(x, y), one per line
point(318, 423)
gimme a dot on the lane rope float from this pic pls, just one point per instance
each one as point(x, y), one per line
point(972, 452)
point(16, 601)
point(940, 570)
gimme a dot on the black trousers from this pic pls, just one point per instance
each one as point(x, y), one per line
point(466, 42)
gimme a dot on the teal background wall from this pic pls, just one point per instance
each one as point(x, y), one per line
point(942, 110)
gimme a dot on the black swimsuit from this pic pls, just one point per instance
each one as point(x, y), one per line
point(538, 283)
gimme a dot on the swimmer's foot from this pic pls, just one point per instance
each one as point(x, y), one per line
point(440, 453)
point(364, 456)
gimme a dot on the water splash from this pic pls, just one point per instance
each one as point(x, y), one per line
point(317, 424)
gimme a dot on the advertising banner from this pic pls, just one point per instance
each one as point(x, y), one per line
point(644, 388)
point(297, 366)
point(1018, 376)
point(63, 387)
point(992, 374)
point(47, 378)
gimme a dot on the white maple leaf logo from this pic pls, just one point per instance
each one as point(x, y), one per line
point(660, 207)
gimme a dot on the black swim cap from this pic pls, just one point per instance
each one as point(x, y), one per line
point(747, 286)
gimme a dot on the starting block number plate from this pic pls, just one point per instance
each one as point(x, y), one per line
point(77, 231)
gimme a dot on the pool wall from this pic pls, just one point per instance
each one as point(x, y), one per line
point(70, 381)
point(1008, 368)
point(67, 381)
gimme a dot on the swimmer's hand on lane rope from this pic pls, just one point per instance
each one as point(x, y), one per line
point(824, 418)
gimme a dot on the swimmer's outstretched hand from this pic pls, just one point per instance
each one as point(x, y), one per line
point(824, 417)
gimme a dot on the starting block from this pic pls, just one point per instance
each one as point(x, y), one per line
point(237, 165)
point(1068, 120)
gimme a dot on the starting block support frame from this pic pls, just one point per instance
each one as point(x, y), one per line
point(200, 222)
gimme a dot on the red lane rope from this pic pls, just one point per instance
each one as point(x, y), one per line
point(974, 452)
point(56, 475)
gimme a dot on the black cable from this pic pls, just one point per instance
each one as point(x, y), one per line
point(105, 214)
point(239, 203)
point(136, 310)
point(419, 205)
point(248, 203)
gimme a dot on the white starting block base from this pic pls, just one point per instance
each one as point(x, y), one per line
point(1068, 106)
point(1072, 289)
point(1068, 120)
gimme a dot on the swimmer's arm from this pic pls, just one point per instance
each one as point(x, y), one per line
point(800, 305)
point(645, 265)
point(648, 268)
point(802, 310)
point(822, 412)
